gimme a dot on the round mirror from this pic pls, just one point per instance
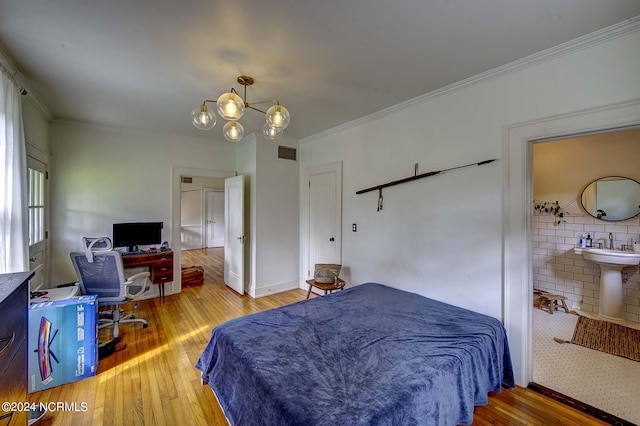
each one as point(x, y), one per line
point(612, 198)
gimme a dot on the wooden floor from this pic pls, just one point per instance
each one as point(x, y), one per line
point(153, 382)
point(211, 259)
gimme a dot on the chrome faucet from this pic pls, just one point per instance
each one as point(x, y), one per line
point(611, 241)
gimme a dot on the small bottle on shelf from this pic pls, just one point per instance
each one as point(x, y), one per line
point(589, 241)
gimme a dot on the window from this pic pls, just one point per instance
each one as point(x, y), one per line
point(36, 206)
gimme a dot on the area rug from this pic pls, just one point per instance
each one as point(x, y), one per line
point(607, 337)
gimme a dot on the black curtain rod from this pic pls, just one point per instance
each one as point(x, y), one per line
point(420, 176)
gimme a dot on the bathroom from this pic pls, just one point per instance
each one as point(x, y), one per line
point(562, 169)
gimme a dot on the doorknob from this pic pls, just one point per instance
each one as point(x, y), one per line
point(32, 259)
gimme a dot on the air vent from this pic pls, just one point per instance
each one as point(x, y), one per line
point(287, 153)
point(186, 179)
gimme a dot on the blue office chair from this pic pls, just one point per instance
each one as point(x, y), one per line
point(99, 270)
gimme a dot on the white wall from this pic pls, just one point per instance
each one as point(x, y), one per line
point(101, 176)
point(442, 236)
point(246, 165)
point(271, 217)
point(276, 224)
point(191, 219)
point(36, 129)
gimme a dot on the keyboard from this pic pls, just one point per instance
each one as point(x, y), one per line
point(127, 253)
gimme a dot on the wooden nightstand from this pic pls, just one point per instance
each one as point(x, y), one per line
point(328, 287)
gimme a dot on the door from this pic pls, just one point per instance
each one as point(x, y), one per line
point(324, 220)
point(36, 180)
point(214, 217)
point(234, 233)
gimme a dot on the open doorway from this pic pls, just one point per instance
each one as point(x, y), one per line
point(202, 225)
point(202, 220)
point(517, 211)
point(561, 170)
point(211, 259)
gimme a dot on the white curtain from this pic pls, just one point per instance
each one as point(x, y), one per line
point(14, 243)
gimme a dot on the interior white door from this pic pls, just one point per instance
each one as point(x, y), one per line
point(214, 216)
point(234, 233)
point(324, 220)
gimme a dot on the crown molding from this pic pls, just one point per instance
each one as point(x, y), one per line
point(597, 37)
point(31, 95)
point(37, 103)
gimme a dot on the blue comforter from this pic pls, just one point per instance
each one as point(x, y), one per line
point(368, 355)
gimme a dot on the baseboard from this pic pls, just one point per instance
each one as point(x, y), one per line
point(585, 408)
point(276, 288)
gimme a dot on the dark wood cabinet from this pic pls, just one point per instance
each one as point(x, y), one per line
point(14, 299)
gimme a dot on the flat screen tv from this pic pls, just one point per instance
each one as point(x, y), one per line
point(134, 234)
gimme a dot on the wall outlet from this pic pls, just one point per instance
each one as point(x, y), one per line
point(354, 227)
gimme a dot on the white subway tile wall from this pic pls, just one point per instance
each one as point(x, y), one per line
point(557, 269)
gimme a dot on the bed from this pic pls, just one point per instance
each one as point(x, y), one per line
point(368, 355)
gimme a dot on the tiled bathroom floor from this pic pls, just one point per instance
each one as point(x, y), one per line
point(608, 382)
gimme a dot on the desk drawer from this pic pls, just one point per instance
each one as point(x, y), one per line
point(162, 273)
point(164, 257)
point(146, 259)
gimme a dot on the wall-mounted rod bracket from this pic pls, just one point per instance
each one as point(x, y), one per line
point(416, 176)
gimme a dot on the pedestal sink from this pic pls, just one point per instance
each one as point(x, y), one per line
point(611, 263)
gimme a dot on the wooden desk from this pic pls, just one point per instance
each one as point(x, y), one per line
point(328, 287)
point(160, 266)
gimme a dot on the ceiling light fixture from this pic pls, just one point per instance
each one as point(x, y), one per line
point(231, 107)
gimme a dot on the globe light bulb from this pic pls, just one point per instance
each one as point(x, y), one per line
point(233, 131)
point(203, 117)
point(278, 117)
point(230, 106)
point(271, 133)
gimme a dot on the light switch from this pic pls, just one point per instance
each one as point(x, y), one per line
point(354, 227)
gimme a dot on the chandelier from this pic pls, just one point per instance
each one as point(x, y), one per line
point(231, 107)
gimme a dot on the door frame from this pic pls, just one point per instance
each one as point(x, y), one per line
point(517, 305)
point(333, 167)
point(44, 269)
point(176, 177)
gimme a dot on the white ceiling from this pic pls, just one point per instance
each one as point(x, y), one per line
point(144, 64)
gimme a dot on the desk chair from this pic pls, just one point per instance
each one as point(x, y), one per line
point(102, 273)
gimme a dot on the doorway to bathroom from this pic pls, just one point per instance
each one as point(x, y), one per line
point(561, 170)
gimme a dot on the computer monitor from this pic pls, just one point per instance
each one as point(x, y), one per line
point(133, 234)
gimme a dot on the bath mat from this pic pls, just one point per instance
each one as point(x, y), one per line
point(607, 337)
